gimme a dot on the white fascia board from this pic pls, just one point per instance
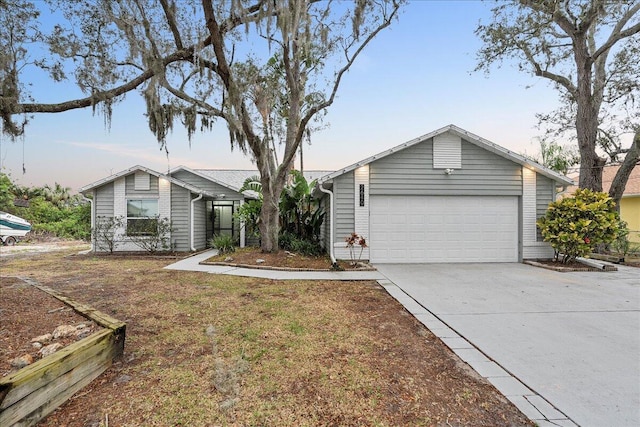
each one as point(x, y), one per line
point(136, 168)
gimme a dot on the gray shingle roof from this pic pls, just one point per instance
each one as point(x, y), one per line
point(235, 178)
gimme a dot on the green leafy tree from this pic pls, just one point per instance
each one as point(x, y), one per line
point(65, 222)
point(6, 195)
point(590, 51)
point(575, 225)
point(268, 69)
point(557, 157)
point(63, 216)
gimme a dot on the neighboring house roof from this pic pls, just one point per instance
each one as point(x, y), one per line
point(136, 168)
point(633, 184)
point(608, 173)
point(467, 136)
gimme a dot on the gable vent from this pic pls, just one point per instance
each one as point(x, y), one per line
point(142, 181)
point(447, 151)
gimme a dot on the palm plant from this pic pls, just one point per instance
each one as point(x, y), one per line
point(300, 213)
point(57, 195)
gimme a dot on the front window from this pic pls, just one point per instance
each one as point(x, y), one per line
point(142, 217)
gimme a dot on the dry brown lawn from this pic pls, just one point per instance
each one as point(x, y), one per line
point(210, 350)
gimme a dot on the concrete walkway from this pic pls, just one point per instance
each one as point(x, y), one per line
point(193, 264)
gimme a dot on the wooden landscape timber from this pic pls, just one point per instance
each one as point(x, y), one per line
point(33, 392)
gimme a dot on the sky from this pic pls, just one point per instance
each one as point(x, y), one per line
point(415, 77)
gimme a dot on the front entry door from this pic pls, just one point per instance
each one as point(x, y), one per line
point(220, 221)
point(223, 219)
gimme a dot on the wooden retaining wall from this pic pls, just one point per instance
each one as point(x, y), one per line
point(33, 392)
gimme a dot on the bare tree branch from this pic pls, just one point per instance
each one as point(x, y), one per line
point(386, 23)
point(171, 21)
point(618, 34)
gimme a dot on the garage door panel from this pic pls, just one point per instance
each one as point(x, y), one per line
point(444, 229)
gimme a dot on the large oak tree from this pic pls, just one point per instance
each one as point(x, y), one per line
point(268, 69)
point(590, 51)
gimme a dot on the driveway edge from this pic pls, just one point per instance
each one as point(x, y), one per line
point(528, 401)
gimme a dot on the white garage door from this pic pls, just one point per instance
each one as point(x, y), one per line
point(414, 229)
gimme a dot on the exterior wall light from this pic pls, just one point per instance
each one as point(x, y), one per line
point(448, 171)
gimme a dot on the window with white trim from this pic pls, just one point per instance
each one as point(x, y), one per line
point(142, 217)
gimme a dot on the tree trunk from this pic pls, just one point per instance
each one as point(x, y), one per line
point(273, 180)
point(269, 222)
point(630, 161)
point(587, 107)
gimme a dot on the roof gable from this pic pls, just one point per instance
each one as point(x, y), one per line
point(467, 136)
point(139, 168)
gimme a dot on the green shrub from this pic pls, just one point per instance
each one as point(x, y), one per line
point(291, 242)
point(285, 240)
point(575, 225)
point(621, 245)
point(249, 214)
point(73, 222)
point(223, 243)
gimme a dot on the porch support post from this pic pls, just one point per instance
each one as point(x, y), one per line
point(242, 229)
point(192, 228)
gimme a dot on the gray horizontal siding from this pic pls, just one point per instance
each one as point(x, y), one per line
point(207, 185)
point(200, 225)
point(410, 172)
point(545, 189)
point(104, 201)
point(180, 218)
point(343, 188)
point(325, 230)
point(131, 191)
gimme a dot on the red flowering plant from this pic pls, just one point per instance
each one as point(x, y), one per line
point(352, 240)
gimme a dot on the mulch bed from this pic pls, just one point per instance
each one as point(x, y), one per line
point(26, 313)
point(281, 260)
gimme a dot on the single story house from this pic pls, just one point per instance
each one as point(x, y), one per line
point(630, 202)
point(447, 196)
point(199, 203)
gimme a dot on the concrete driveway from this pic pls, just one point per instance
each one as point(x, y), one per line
point(565, 347)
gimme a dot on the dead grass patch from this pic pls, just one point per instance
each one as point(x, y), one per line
point(297, 353)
